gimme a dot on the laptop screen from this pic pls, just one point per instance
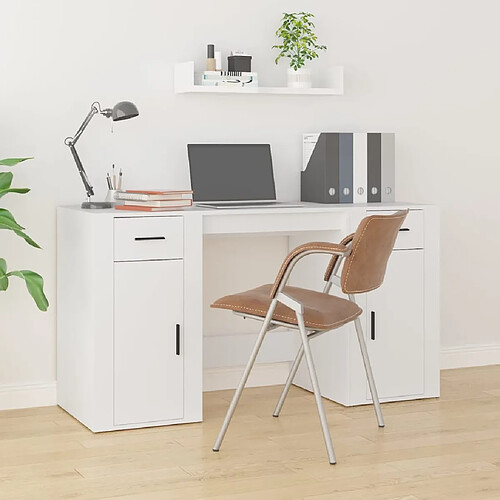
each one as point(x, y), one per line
point(231, 172)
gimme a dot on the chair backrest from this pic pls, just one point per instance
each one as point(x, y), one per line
point(371, 247)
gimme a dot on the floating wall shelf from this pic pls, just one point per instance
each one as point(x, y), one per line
point(184, 83)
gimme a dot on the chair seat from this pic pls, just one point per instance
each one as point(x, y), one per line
point(321, 311)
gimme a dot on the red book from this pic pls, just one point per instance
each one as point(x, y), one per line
point(143, 208)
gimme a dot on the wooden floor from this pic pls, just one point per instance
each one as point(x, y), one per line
point(446, 448)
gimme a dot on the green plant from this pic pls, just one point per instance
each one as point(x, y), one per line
point(34, 282)
point(298, 39)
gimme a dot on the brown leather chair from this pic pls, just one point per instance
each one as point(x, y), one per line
point(364, 255)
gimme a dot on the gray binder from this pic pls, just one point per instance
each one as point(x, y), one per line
point(346, 144)
point(374, 167)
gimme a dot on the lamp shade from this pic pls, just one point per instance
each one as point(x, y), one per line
point(124, 110)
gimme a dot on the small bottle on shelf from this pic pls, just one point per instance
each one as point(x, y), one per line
point(211, 65)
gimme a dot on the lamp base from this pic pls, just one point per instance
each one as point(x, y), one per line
point(97, 204)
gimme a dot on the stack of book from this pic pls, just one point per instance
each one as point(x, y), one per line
point(153, 201)
point(229, 78)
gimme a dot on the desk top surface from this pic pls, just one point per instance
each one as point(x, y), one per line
point(305, 207)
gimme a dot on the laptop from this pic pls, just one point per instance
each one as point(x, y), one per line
point(233, 176)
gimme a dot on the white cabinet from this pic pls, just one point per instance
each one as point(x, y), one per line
point(127, 356)
point(400, 321)
point(395, 327)
point(148, 351)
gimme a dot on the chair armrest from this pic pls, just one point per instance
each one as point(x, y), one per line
point(333, 261)
point(296, 254)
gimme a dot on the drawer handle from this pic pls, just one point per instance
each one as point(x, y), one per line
point(177, 340)
point(372, 325)
point(149, 238)
point(405, 229)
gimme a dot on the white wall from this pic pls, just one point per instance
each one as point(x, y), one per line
point(427, 70)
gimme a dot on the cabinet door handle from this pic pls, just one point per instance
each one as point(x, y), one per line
point(149, 238)
point(405, 229)
point(372, 325)
point(178, 339)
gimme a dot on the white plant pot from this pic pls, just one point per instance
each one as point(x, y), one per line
point(299, 79)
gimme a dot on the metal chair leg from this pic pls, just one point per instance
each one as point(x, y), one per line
point(369, 374)
point(289, 381)
point(317, 393)
point(244, 378)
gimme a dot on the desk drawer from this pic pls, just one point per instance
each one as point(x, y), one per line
point(148, 238)
point(411, 234)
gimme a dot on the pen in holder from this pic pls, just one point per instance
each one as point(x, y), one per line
point(113, 186)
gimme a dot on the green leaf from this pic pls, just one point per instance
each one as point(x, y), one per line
point(5, 180)
point(34, 284)
point(4, 280)
point(7, 221)
point(28, 240)
point(3, 192)
point(10, 162)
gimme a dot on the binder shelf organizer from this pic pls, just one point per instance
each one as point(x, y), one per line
point(348, 167)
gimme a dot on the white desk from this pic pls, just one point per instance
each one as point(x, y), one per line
point(130, 325)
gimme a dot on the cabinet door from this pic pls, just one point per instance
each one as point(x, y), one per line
point(148, 351)
point(395, 327)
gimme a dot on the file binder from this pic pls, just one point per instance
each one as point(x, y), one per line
point(388, 150)
point(374, 166)
point(345, 159)
point(360, 181)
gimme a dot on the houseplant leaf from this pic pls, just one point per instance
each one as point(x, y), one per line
point(4, 280)
point(3, 192)
point(10, 162)
point(7, 221)
point(34, 283)
point(28, 240)
point(5, 180)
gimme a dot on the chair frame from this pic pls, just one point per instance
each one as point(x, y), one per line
point(306, 334)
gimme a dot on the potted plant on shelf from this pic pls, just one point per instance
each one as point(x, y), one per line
point(34, 282)
point(299, 44)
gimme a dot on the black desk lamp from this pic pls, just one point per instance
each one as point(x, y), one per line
point(122, 111)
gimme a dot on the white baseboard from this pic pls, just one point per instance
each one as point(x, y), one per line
point(217, 379)
point(214, 379)
point(470, 355)
point(27, 396)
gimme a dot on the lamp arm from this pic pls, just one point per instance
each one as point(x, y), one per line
point(94, 109)
point(71, 141)
point(88, 187)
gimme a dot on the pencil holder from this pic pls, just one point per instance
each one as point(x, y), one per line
point(111, 195)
